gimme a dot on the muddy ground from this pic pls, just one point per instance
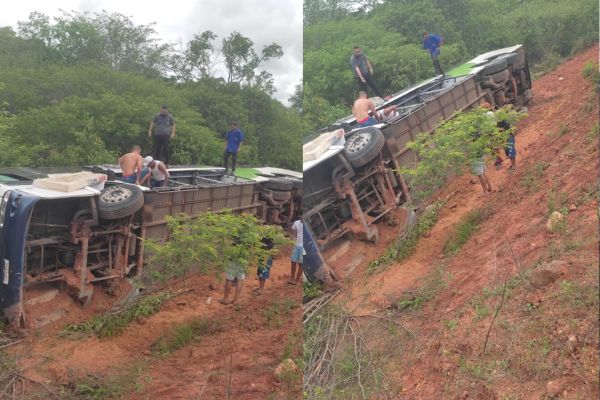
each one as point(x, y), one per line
point(237, 360)
point(544, 338)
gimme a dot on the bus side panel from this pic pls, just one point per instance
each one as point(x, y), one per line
point(12, 252)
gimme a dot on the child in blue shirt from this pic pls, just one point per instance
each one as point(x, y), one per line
point(509, 149)
point(264, 268)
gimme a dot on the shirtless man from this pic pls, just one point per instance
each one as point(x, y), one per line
point(131, 165)
point(361, 109)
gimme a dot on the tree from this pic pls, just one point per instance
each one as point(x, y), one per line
point(390, 33)
point(129, 47)
point(296, 99)
point(317, 112)
point(316, 11)
point(110, 39)
point(454, 145)
point(64, 104)
point(241, 60)
point(209, 243)
point(199, 57)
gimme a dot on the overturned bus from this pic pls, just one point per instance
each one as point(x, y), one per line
point(349, 188)
point(57, 237)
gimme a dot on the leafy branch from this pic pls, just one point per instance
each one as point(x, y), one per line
point(455, 145)
point(209, 243)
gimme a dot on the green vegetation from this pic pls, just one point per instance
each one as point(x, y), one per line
point(124, 382)
point(451, 324)
point(182, 335)
point(406, 244)
point(563, 130)
point(210, 242)
point(484, 370)
point(594, 133)
point(590, 102)
point(278, 312)
point(111, 324)
point(512, 283)
point(53, 114)
point(583, 194)
point(456, 144)
point(577, 295)
point(591, 73)
point(292, 347)
point(292, 379)
point(390, 33)
point(560, 132)
point(531, 180)
point(463, 232)
point(434, 282)
point(558, 201)
point(312, 290)
point(481, 311)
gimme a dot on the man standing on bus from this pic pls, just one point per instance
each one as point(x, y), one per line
point(233, 138)
point(164, 132)
point(432, 43)
point(363, 71)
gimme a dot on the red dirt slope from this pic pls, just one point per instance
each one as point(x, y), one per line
point(557, 168)
point(237, 362)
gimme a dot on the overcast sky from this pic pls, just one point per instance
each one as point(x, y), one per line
point(263, 21)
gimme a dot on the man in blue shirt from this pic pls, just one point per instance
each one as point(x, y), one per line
point(233, 138)
point(432, 43)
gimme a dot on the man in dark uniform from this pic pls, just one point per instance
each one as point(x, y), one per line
point(363, 71)
point(164, 132)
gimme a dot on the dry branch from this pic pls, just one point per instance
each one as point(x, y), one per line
point(11, 343)
point(487, 336)
point(388, 320)
point(333, 336)
point(312, 307)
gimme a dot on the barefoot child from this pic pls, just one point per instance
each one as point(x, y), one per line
point(234, 278)
point(509, 149)
point(264, 268)
point(235, 274)
point(478, 166)
point(297, 253)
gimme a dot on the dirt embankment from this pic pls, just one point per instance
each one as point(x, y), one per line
point(542, 333)
point(238, 361)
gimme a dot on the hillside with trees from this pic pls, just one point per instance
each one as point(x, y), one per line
point(82, 88)
point(390, 34)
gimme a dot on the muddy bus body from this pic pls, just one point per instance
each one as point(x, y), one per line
point(84, 240)
point(349, 189)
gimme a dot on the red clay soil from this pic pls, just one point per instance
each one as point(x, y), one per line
point(240, 358)
point(556, 152)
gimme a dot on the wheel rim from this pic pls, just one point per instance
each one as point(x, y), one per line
point(358, 141)
point(116, 194)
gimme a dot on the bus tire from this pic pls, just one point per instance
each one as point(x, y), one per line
point(119, 201)
point(363, 146)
